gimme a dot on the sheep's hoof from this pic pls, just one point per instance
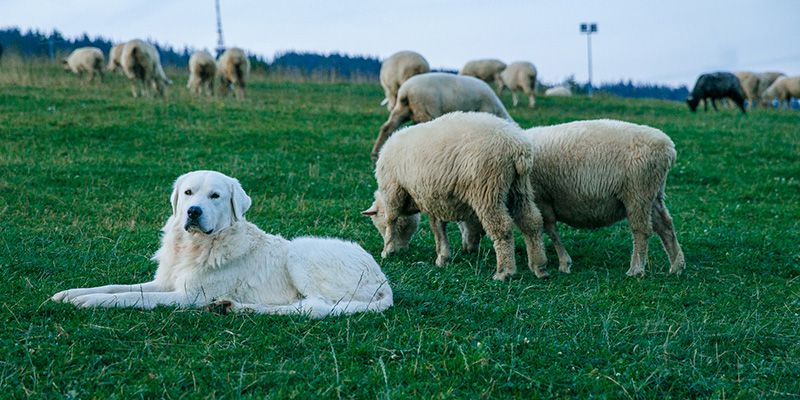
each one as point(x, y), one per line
point(540, 273)
point(441, 261)
point(677, 267)
point(635, 272)
point(565, 267)
point(500, 276)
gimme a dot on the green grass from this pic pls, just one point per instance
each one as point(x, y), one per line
point(84, 187)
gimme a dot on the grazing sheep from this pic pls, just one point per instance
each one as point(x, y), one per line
point(520, 75)
point(397, 69)
point(202, 70)
point(471, 167)
point(87, 60)
point(765, 80)
point(784, 89)
point(558, 91)
point(749, 83)
point(234, 68)
point(717, 85)
point(590, 174)
point(487, 70)
point(427, 96)
point(115, 58)
point(142, 64)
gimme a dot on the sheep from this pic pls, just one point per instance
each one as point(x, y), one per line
point(487, 70)
point(784, 89)
point(115, 58)
point(520, 75)
point(765, 80)
point(749, 83)
point(591, 174)
point(424, 97)
point(717, 85)
point(472, 167)
point(397, 69)
point(141, 63)
point(233, 68)
point(558, 91)
point(202, 70)
point(85, 60)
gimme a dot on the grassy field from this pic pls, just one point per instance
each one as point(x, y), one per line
point(84, 189)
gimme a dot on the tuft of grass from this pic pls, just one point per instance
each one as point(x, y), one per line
point(86, 175)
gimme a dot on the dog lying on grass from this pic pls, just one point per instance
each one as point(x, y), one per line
point(211, 257)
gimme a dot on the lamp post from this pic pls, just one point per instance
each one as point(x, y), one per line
point(588, 29)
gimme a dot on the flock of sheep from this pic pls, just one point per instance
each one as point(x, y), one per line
point(752, 87)
point(467, 161)
point(140, 62)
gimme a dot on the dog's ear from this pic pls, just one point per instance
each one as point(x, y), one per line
point(240, 201)
point(175, 192)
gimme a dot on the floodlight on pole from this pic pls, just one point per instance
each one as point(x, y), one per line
point(220, 42)
point(588, 29)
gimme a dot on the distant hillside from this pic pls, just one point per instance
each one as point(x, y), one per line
point(34, 43)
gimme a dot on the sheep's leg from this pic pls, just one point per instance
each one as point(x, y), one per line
point(705, 105)
point(564, 260)
point(531, 97)
point(398, 116)
point(439, 229)
point(497, 223)
point(640, 221)
point(662, 224)
point(514, 99)
point(471, 234)
point(499, 84)
point(133, 88)
point(529, 220)
point(714, 104)
point(240, 91)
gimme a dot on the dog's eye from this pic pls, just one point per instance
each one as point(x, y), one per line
point(214, 195)
point(188, 192)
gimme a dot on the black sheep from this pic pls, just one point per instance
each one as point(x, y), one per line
point(717, 85)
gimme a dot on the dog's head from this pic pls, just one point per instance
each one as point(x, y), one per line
point(207, 202)
point(406, 225)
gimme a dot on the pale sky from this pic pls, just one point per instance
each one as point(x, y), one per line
point(658, 41)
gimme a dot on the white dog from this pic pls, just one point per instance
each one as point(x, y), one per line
point(211, 256)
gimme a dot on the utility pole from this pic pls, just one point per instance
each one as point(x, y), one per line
point(589, 29)
point(220, 42)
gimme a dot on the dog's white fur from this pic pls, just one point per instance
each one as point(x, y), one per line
point(222, 260)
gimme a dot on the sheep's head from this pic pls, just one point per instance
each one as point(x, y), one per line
point(692, 102)
point(404, 228)
point(65, 64)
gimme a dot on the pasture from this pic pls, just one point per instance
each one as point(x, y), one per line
point(86, 176)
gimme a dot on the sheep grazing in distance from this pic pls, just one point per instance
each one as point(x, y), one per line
point(717, 85)
point(472, 167)
point(558, 91)
point(142, 65)
point(487, 70)
point(115, 58)
point(397, 69)
point(520, 75)
point(202, 70)
point(233, 68)
point(749, 83)
point(765, 80)
point(85, 60)
point(427, 96)
point(783, 89)
point(590, 174)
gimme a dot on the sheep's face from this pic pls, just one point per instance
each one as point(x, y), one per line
point(65, 65)
point(692, 102)
point(405, 226)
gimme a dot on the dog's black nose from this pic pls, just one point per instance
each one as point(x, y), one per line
point(195, 212)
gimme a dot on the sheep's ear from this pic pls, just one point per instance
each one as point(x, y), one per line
point(372, 210)
point(240, 201)
point(175, 192)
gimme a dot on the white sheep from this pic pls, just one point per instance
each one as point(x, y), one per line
point(558, 91)
point(487, 70)
point(88, 60)
point(472, 167)
point(202, 70)
point(115, 58)
point(765, 80)
point(233, 69)
point(397, 69)
point(784, 89)
point(424, 97)
point(520, 75)
point(591, 174)
point(142, 65)
point(749, 83)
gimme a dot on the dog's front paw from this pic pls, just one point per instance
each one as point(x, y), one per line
point(66, 295)
point(94, 300)
point(221, 306)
